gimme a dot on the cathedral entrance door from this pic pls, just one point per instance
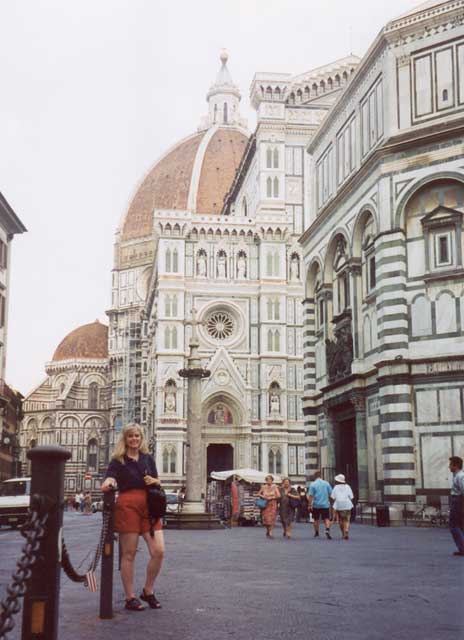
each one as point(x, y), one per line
point(346, 459)
point(219, 457)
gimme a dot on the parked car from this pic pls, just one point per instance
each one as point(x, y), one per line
point(172, 502)
point(15, 496)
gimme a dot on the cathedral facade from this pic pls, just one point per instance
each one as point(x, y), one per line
point(214, 228)
point(384, 340)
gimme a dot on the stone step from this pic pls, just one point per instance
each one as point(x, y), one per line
point(200, 521)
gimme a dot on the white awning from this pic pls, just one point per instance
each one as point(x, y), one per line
point(249, 475)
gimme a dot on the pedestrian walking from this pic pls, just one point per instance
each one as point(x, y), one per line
point(289, 501)
point(319, 501)
point(342, 495)
point(77, 501)
point(271, 493)
point(303, 510)
point(456, 517)
point(87, 503)
point(133, 469)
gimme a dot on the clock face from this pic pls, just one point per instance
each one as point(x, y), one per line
point(7, 441)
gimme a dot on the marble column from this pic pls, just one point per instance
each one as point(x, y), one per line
point(359, 404)
point(194, 373)
point(331, 444)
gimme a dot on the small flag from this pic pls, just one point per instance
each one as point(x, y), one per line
point(91, 581)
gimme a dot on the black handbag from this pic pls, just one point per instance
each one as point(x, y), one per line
point(156, 502)
point(294, 502)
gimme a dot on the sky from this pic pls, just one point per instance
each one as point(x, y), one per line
point(92, 93)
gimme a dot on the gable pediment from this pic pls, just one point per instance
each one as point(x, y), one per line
point(442, 215)
point(225, 377)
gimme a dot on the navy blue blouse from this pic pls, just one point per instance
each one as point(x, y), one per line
point(130, 474)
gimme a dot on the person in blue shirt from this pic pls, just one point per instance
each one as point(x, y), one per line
point(319, 501)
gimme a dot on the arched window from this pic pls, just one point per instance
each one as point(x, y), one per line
point(144, 414)
point(269, 187)
point(167, 306)
point(341, 278)
point(244, 208)
point(168, 264)
point(167, 338)
point(276, 340)
point(276, 187)
point(306, 93)
point(275, 157)
point(275, 460)
point(299, 95)
point(174, 338)
point(144, 390)
point(368, 256)
point(175, 261)
point(276, 268)
point(269, 158)
point(270, 341)
point(174, 306)
point(169, 459)
point(269, 264)
point(215, 114)
point(93, 395)
point(269, 93)
point(269, 309)
point(276, 310)
point(277, 93)
point(225, 113)
point(92, 455)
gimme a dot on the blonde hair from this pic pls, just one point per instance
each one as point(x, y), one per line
point(121, 447)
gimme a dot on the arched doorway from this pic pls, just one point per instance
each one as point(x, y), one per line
point(219, 457)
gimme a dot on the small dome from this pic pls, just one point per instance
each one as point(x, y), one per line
point(88, 341)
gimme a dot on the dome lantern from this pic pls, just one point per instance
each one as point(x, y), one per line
point(223, 99)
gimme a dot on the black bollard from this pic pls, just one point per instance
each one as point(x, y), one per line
point(41, 602)
point(106, 593)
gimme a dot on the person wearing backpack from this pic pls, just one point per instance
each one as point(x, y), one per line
point(133, 470)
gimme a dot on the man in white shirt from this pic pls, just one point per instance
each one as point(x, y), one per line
point(456, 519)
point(342, 495)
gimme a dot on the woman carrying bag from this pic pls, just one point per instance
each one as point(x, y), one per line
point(271, 493)
point(289, 501)
point(131, 470)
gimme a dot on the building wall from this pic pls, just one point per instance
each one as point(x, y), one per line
point(383, 257)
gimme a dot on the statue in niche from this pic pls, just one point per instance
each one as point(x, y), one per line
point(275, 404)
point(221, 265)
point(201, 265)
point(294, 268)
point(241, 266)
point(339, 353)
point(170, 399)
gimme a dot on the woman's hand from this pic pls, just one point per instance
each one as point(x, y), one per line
point(108, 485)
point(151, 480)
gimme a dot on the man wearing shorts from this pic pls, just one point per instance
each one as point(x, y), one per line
point(319, 501)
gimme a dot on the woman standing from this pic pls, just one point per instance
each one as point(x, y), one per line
point(286, 508)
point(342, 496)
point(132, 469)
point(271, 493)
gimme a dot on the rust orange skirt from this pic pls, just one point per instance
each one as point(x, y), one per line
point(131, 513)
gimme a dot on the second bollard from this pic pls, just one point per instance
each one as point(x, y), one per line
point(106, 593)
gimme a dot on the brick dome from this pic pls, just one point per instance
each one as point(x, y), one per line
point(88, 341)
point(193, 175)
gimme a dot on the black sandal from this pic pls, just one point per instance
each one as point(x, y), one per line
point(134, 604)
point(153, 603)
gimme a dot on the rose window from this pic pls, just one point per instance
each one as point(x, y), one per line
point(220, 325)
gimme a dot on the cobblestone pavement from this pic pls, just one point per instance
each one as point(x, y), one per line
point(395, 583)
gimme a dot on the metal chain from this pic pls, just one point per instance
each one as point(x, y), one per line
point(33, 530)
point(66, 563)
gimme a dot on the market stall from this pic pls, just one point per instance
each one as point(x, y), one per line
point(231, 495)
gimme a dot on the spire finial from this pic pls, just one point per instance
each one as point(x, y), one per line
point(224, 56)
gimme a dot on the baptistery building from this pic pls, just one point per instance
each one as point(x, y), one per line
point(71, 408)
point(213, 227)
point(384, 276)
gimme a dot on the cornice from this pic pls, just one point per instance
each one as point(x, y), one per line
point(395, 144)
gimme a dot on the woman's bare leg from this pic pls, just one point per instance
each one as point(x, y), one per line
point(156, 548)
point(129, 543)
